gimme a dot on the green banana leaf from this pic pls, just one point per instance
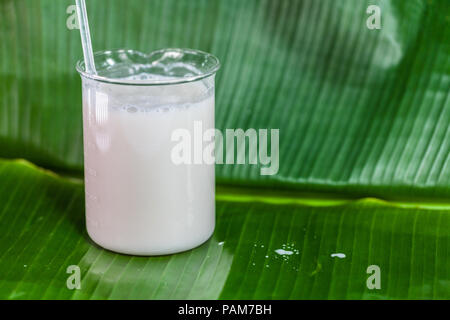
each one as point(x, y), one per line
point(363, 115)
point(362, 112)
point(44, 234)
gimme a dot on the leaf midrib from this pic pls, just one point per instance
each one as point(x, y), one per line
point(234, 193)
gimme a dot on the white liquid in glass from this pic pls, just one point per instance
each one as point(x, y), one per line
point(138, 201)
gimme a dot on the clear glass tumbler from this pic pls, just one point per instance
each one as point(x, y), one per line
point(147, 123)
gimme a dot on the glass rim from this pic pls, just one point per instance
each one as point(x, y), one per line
point(80, 67)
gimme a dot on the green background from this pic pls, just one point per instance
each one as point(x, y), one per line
point(362, 114)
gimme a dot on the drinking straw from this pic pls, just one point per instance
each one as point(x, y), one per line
point(85, 37)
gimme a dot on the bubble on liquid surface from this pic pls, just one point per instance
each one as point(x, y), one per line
point(132, 109)
point(148, 76)
point(338, 255)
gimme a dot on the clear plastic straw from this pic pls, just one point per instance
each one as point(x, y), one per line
point(85, 37)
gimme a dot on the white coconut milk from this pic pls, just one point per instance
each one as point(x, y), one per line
point(137, 200)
